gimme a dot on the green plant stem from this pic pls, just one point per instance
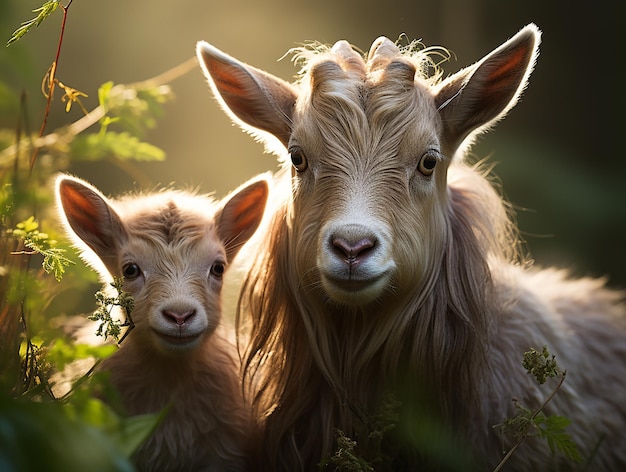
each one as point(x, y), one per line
point(53, 69)
point(534, 415)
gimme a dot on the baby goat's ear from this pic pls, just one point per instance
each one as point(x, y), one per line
point(241, 215)
point(87, 215)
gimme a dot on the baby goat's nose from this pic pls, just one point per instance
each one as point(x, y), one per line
point(178, 317)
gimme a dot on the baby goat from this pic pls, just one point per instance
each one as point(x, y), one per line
point(172, 249)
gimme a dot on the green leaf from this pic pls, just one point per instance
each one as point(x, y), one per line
point(552, 428)
point(103, 94)
point(43, 12)
point(133, 431)
point(61, 353)
point(126, 434)
point(135, 108)
point(28, 226)
point(41, 436)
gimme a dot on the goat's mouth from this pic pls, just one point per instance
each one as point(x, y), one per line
point(354, 290)
point(179, 341)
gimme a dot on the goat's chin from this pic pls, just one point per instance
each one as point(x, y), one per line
point(178, 344)
point(354, 292)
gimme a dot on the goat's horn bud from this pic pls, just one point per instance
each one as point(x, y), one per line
point(381, 52)
point(348, 57)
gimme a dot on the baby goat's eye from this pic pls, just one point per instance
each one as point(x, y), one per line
point(131, 271)
point(217, 269)
point(427, 162)
point(298, 159)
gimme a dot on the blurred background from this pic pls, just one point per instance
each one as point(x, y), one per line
point(558, 153)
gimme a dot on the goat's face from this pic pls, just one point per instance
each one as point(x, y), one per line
point(176, 286)
point(369, 183)
point(370, 142)
point(171, 249)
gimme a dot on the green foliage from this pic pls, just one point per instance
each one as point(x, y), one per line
point(43, 12)
point(61, 352)
point(42, 436)
point(552, 429)
point(109, 326)
point(134, 107)
point(346, 457)
point(54, 261)
point(364, 452)
point(125, 433)
point(72, 421)
point(540, 365)
point(123, 146)
point(530, 423)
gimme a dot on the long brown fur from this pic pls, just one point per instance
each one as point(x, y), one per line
point(175, 238)
point(446, 333)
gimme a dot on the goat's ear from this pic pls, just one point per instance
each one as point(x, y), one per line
point(241, 215)
point(252, 97)
point(479, 95)
point(88, 216)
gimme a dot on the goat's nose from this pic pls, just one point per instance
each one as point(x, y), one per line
point(178, 317)
point(353, 249)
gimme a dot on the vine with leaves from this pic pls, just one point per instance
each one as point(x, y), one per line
point(34, 272)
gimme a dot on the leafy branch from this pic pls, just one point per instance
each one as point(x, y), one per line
point(528, 423)
point(43, 12)
point(346, 457)
point(40, 243)
point(108, 325)
point(362, 455)
point(48, 430)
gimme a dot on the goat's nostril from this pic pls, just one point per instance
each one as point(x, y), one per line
point(180, 318)
point(352, 250)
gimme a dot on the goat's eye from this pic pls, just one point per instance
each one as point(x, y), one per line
point(298, 159)
point(131, 271)
point(427, 163)
point(217, 269)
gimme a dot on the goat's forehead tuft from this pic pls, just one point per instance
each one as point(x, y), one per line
point(316, 60)
point(170, 217)
point(340, 78)
point(352, 102)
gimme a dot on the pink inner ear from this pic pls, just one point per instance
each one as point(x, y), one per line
point(81, 211)
point(90, 217)
point(242, 215)
point(254, 98)
point(516, 60)
point(249, 210)
point(232, 82)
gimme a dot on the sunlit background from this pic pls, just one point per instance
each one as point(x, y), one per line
point(558, 153)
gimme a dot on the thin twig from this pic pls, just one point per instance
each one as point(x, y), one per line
point(51, 79)
point(129, 327)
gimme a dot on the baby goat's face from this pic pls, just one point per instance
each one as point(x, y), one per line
point(176, 288)
point(171, 248)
